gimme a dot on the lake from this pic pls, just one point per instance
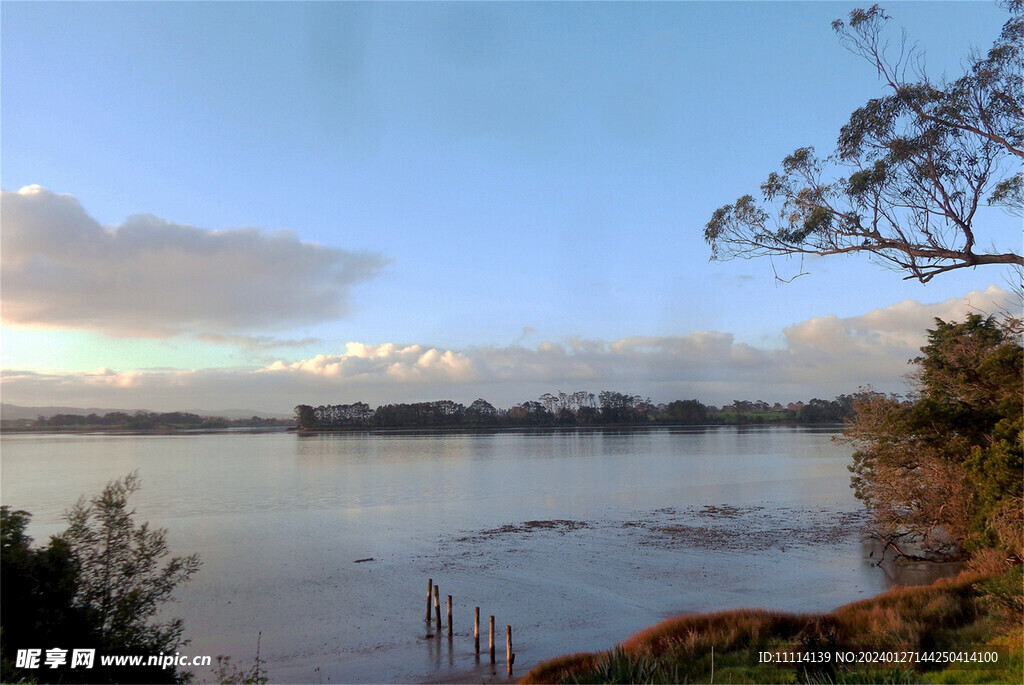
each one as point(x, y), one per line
point(574, 538)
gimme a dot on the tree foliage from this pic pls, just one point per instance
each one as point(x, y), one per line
point(37, 595)
point(945, 468)
point(98, 585)
point(122, 577)
point(580, 408)
point(910, 171)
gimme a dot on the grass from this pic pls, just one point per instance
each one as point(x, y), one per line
point(956, 614)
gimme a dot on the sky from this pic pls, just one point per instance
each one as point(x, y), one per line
point(255, 205)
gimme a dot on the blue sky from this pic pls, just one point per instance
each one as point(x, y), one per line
point(518, 186)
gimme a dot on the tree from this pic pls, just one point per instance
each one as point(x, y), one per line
point(687, 411)
point(120, 575)
point(305, 417)
point(826, 411)
point(37, 596)
point(98, 586)
point(481, 413)
point(911, 168)
point(530, 413)
point(944, 469)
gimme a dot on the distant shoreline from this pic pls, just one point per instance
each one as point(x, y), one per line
point(624, 427)
point(171, 430)
point(99, 430)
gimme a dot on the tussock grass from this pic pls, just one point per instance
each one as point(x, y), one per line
point(949, 614)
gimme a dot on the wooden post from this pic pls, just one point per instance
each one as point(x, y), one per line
point(509, 656)
point(476, 630)
point(449, 615)
point(437, 608)
point(430, 591)
point(490, 642)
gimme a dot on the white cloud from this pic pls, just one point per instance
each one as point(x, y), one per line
point(899, 327)
point(151, 277)
point(370, 363)
point(823, 356)
point(256, 342)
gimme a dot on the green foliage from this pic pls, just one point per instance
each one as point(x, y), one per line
point(1004, 595)
point(911, 167)
point(120, 574)
point(951, 460)
point(37, 595)
point(96, 586)
point(618, 666)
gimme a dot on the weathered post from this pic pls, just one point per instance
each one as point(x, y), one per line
point(476, 631)
point(437, 608)
point(490, 642)
point(509, 656)
point(430, 592)
point(449, 615)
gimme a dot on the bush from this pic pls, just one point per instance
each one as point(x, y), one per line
point(96, 586)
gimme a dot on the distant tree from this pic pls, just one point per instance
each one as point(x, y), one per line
point(481, 413)
point(305, 416)
point(448, 413)
point(687, 411)
point(616, 406)
point(945, 468)
point(740, 407)
point(565, 416)
point(530, 414)
point(920, 161)
point(826, 411)
point(588, 415)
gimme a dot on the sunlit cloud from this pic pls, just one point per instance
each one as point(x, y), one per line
point(256, 342)
point(151, 277)
point(822, 357)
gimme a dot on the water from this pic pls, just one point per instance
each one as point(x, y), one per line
point(576, 539)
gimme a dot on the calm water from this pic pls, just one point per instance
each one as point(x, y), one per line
point(576, 539)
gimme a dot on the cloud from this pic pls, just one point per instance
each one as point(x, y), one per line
point(822, 357)
point(151, 277)
point(899, 327)
point(256, 342)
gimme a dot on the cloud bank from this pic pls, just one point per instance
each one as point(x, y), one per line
point(820, 357)
point(151, 277)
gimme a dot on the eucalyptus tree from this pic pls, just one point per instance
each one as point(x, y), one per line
point(910, 171)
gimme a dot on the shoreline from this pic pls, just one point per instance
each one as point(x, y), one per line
point(906, 625)
point(425, 430)
point(625, 427)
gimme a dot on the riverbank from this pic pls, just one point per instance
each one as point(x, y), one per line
point(952, 631)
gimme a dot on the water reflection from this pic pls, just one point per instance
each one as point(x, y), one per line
point(899, 571)
point(279, 518)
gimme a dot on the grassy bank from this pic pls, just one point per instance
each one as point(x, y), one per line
point(975, 611)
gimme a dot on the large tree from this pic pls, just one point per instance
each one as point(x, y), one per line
point(910, 171)
point(944, 468)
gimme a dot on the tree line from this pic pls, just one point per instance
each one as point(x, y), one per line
point(580, 408)
point(144, 420)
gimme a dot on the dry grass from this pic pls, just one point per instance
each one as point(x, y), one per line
point(561, 669)
point(904, 618)
point(907, 616)
point(723, 630)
